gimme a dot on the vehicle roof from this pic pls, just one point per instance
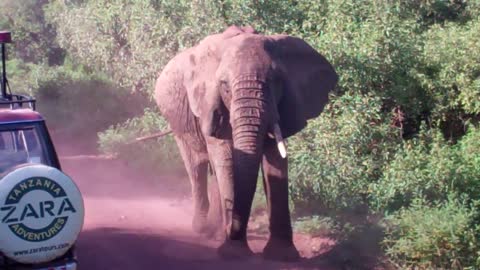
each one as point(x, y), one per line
point(18, 116)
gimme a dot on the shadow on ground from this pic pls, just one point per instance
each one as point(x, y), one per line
point(361, 251)
point(138, 221)
point(110, 248)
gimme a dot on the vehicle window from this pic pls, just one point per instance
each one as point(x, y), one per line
point(19, 147)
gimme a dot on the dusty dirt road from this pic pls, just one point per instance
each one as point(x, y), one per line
point(137, 221)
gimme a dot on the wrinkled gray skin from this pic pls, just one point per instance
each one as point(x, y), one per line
point(222, 99)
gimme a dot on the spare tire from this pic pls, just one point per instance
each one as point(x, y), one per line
point(41, 214)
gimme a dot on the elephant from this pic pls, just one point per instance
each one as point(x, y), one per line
point(231, 101)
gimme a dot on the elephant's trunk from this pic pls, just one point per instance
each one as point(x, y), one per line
point(249, 119)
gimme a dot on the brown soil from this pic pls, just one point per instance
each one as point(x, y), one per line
point(138, 221)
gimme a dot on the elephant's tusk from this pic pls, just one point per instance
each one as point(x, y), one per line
point(282, 149)
point(280, 142)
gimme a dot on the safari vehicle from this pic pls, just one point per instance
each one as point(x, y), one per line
point(41, 208)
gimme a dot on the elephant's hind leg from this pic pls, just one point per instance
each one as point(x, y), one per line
point(195, 158)
point(275, 168)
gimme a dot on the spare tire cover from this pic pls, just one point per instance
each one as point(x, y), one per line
point(41, 214)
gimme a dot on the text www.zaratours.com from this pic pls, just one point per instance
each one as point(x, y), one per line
point(40, 249)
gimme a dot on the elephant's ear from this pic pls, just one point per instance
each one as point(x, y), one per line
point(171, 97)
point(186, 90)
point(307, 79)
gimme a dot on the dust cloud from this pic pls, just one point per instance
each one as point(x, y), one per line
point(136, 219)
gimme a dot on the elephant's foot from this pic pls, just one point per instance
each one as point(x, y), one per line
point(215, 229)
point(234, 250)
point(200, 224)
point(215, 233)
point(280, 250)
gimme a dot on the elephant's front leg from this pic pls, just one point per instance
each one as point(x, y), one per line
point(220, 152)
point(275, 168)
point(195, 157)
point(220, 155)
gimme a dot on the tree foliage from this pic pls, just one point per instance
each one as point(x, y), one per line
point(77, 100)
point(434, 236)
point(399, 137)
point(34, 38)
point(338, 155)
point(429, 168)
point(130, 40)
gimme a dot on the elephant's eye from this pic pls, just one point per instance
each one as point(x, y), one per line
point(224, 87)
point(225, 93)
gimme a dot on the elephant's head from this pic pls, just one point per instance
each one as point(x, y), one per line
point(245, 86)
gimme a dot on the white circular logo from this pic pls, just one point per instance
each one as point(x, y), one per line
point(41, 214)
point(32, 219)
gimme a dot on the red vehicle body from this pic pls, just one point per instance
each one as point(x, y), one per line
point(20, 115)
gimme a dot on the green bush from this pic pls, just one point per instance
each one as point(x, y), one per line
point(428, 12)
point(157, 154)
point(452, 67)
point(316, 225)
point(267, 16)
point(75, 102)
point(400, 63)
point(130, 41)
point(428, 167)
point(434, 236)
point(396, 50)
point(333, 161)
point(373, 48)
point(20, 78)
point(34, 40)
